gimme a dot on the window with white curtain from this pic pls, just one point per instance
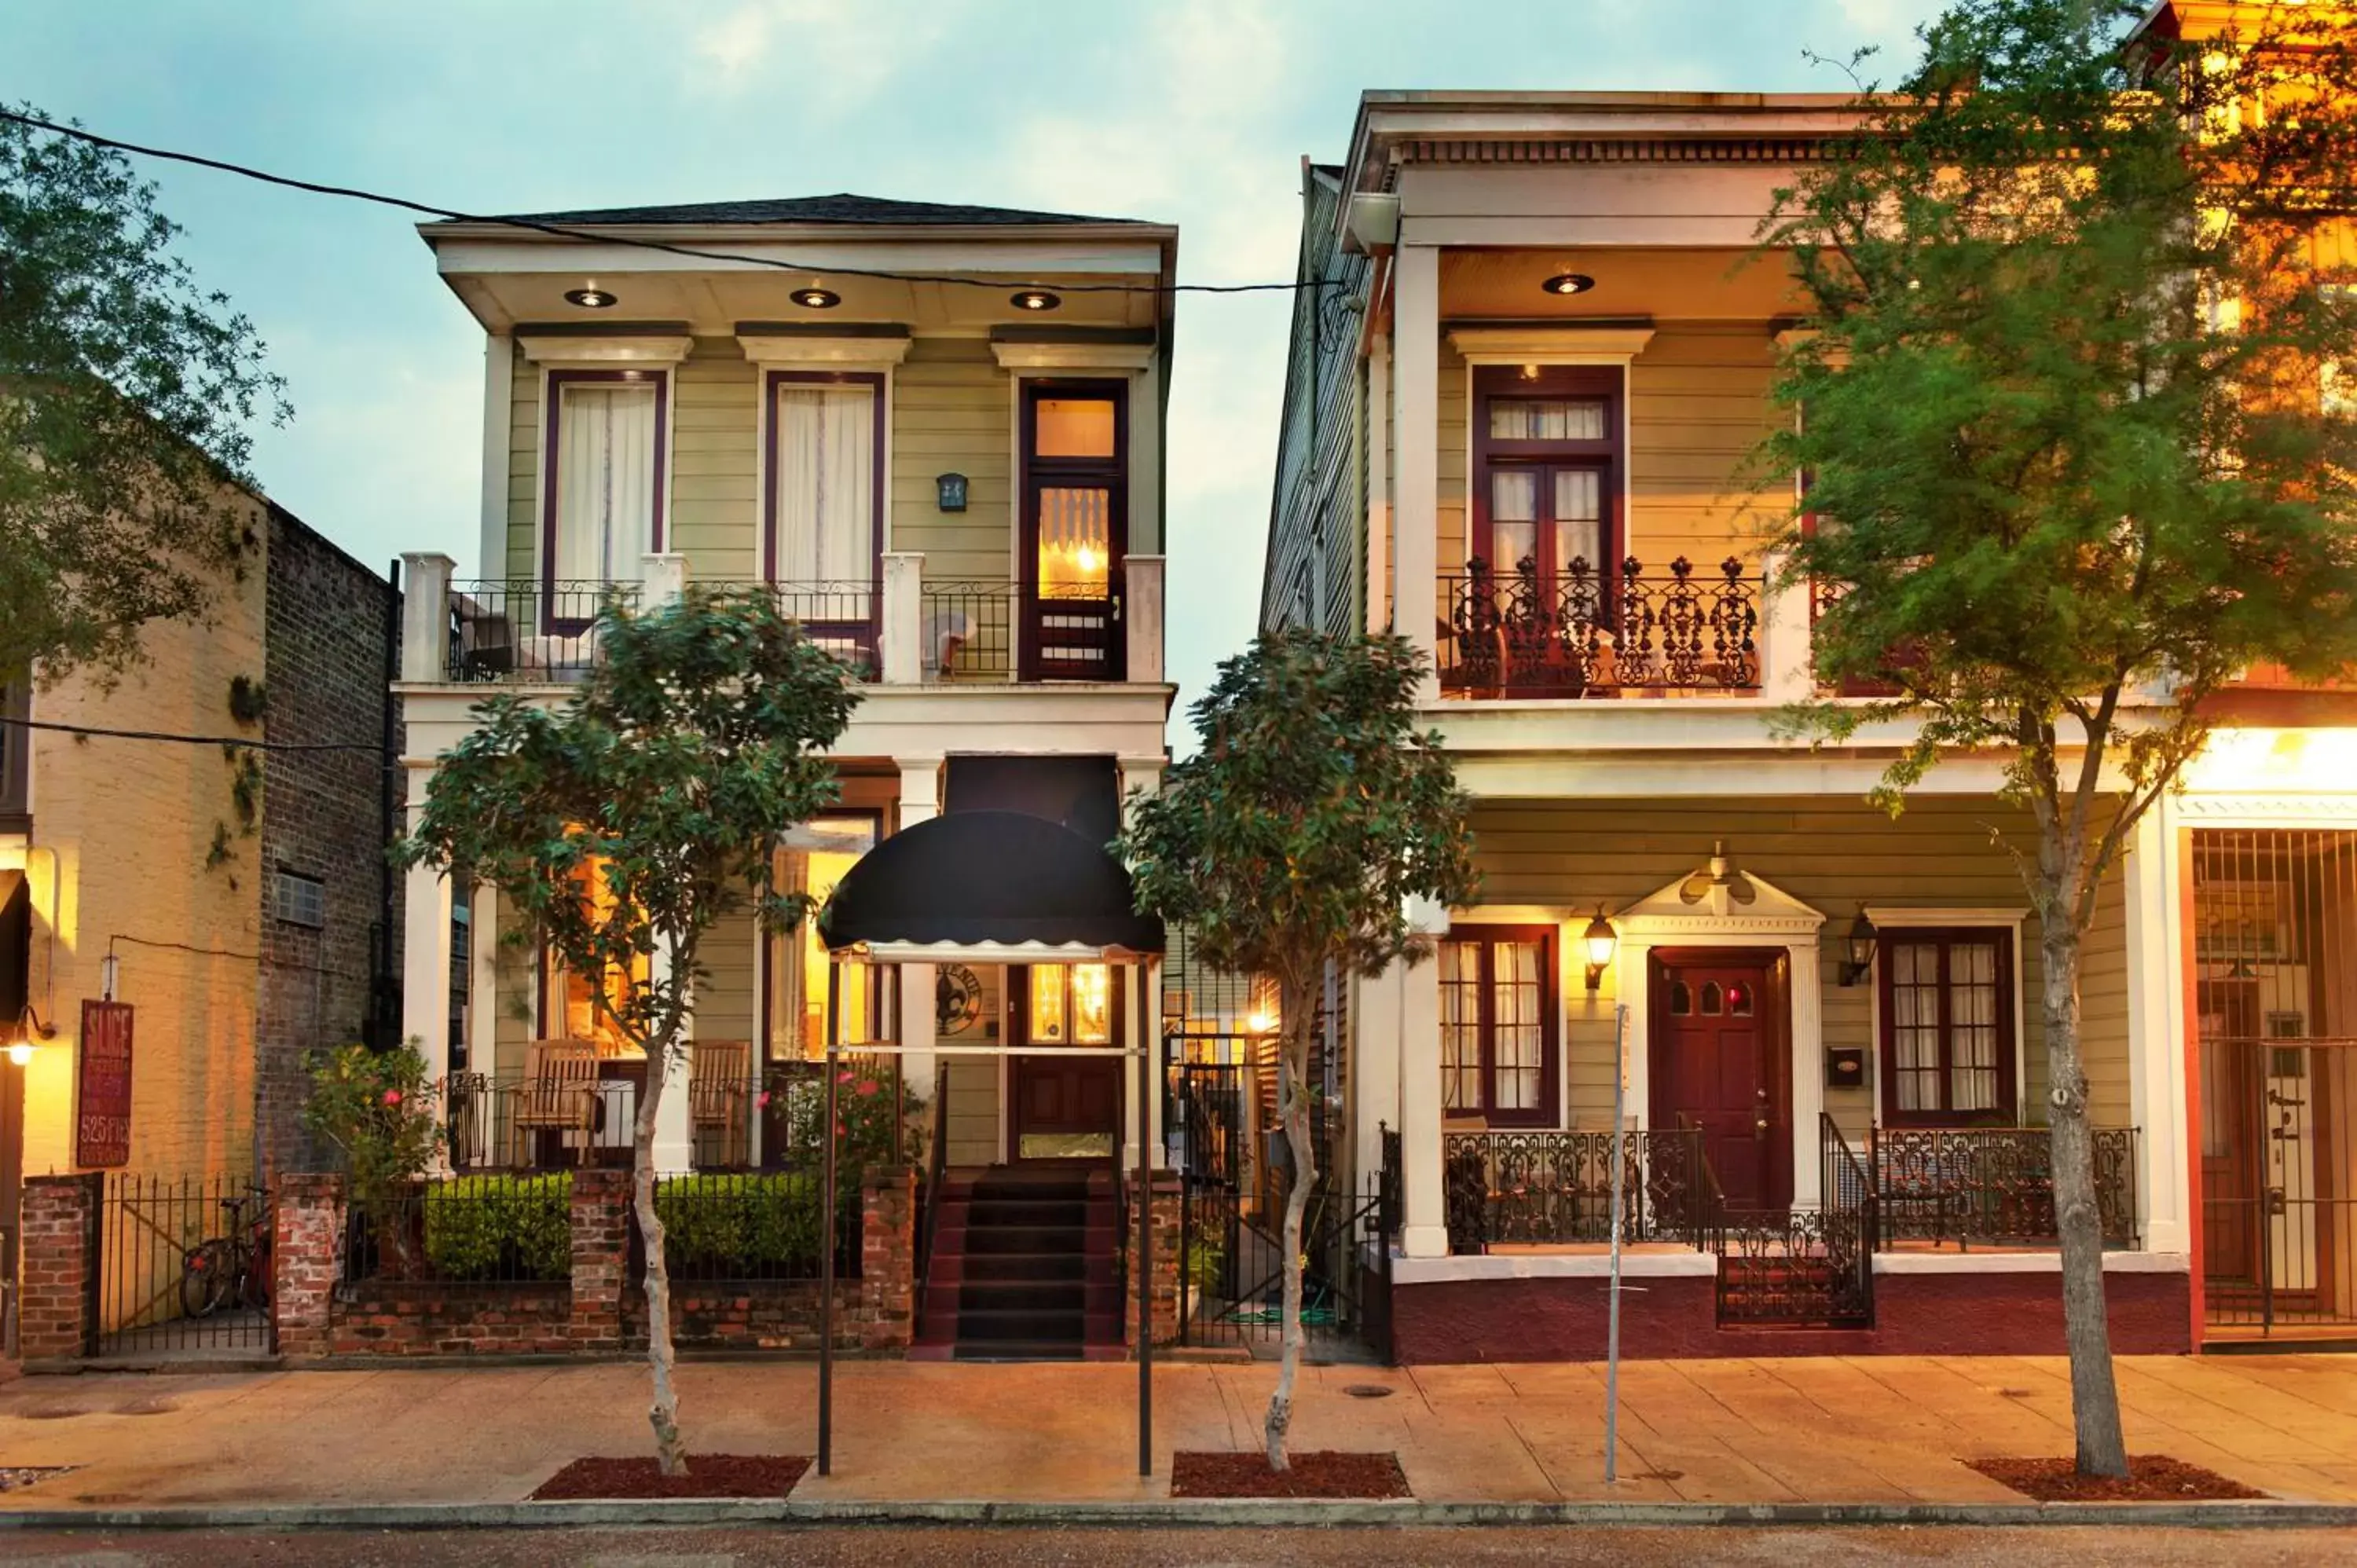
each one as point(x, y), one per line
point(826, 482)
point(605, 476)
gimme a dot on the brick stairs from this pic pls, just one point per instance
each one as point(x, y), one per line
point(1025, 1266)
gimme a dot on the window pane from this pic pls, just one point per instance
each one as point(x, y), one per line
point(1513, 495)
point(1710, 998)
point(1578, 512)
point(1075, 541)
point(1050, 1024)
point(1074, 428)
point(1092, 1003)
point(826, 483)
point(1973, 1026)
point(1517, 1001)
point(1460, 1026)
point(1915, 1026)
point(1681, 999)
point(812, 859)
point(605, 479)
point(1546, 419)
point(1738, 1000)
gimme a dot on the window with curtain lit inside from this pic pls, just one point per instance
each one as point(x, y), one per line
point(1075, 443)
point(1072, 1004)
point(605, 476)
point(1497, 1023)
point(826, 481)
point(579, 1004)
point(1947, 1026)
point(812, 859)
point(1548, 446)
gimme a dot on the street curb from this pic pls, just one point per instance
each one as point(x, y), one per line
point(1252, 1513)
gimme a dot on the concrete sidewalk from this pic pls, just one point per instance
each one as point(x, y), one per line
point(1882, 1429)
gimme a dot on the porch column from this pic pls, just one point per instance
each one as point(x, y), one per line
point(1808, 1072)
point(674, 1126)
point(903, 653)
point(2156, 1082)
point(483, 979)
point(1785, 673)
point(1141, 776)
point(1374, 1066)
point(921, 802)
point(425, 946)
point(1423, 1227)
point(1416, 400)
point(426, 617)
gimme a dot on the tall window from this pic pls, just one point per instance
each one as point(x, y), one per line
point(812, 859)
point(604, 473)
point(1497, 1023)
point(1947, 1026)
point(1070, 1005)
point(825, 498)
point(1547, 441)
point(1074, 480)
point(571, 1003)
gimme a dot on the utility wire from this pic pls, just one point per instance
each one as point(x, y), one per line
point(568, 231)
point(373, 748)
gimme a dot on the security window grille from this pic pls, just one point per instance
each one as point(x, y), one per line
point(302, 900)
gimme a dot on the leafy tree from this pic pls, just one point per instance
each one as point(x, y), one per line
point(662, 783)
point(126, 391)
point(2066, 409)
point(1291, 843)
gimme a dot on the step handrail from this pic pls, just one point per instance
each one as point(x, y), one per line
point(935, 1166)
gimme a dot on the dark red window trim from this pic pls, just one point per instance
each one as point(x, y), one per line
point(1037, 472)
point(1549, 1112)
point(549, 398)
point(1494, 383)
point(2007, 1091)
point(770, 385)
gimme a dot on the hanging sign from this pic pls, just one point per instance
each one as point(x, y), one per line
point(103, 1086)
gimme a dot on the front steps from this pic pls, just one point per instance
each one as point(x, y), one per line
point(1025, 1266)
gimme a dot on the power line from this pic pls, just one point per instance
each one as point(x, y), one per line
point(568, 231)
point(373, 748)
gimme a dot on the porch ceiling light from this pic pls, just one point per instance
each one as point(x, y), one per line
point(1034, 299)
point(588, 298)
point(815, 298)
point(1568, 283)
point(1599, 939)
point(1861, 943)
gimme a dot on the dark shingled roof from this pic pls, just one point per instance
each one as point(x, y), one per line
point(840, 208)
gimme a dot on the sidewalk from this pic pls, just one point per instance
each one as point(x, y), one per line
point(1884, 1429)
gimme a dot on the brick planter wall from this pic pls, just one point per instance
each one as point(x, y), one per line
point(307, 1261)
point(1168, 1201)
point(58, 1256)
point(601, 1259)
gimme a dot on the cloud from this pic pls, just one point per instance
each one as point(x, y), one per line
point(833, 55)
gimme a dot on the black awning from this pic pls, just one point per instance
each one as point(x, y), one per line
point(16, 953)
point(980, 878)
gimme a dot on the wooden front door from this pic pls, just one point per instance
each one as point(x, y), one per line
point(1066, 1091)
point(1075, 521)
point(1717, 1061)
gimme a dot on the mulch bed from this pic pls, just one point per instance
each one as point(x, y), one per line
point(2152, 1478)
point(1325, 1474)
point(708, 1476)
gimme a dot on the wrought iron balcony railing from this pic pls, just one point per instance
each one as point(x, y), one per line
point(1582, 632)
point(1541, 1188)
point(1992, 1185)
point(524, 629)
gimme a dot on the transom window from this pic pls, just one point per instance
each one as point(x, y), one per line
point(1947, 1026)
point(1497, 1023)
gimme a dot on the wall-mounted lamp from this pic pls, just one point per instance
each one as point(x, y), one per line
point(1261, 1021)
point(20, 1053)
point(951, 489)
point(1861, 943)
point(1600, 940)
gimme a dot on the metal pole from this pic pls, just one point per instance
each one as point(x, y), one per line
point(1613, 1306)
point(1145, 1265)
point(826, 1233)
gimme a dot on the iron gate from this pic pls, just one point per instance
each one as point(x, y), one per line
point(183, 1268)
point(2274, 949)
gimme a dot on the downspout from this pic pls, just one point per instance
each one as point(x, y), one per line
point(382, 996)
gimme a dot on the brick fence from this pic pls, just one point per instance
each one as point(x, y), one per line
point(1169, 1200)
point(57, 1275)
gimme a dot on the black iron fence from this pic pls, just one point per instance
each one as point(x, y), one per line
point(1585, 631)
point(1800, 1268)
point(184, 1267)
point(520, 629)
point(747, 1228)
point(846, 619)
point(493, 1229)
point(506, 1121)
point(968, 630)
point(1552, 1188)
point(1991, 1185)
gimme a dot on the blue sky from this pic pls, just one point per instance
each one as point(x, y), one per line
point(1193, 111)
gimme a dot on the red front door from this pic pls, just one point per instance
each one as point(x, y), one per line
point(1716, 1062)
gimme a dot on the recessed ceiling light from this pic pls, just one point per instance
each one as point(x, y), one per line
point(816, 298)
point(1033, 299)
point(1568, 283)
point(588, 298)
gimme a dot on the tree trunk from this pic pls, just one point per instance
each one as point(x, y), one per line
point(2086, 1327)
point(671, 1453)
point(1293, 1109)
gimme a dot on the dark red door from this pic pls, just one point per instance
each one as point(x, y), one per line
point(1716, 1062)
point(1067, 1104)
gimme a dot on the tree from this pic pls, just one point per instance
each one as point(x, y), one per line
point(126, 394)
point(1290, 844)
point(2065, 410)
point(626, 825)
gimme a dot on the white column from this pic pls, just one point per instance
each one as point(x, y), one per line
point(1379, 482)
point(483, 980)
point(1141, 776)
point(498, 411)
point(920, 802)
point(1374, 1066)
point(1808, 1073)
point(1423, 1228)
point(674, 1126)
point(1784, 629)
point(2157, 1084)
point(1415, 401)
point(426, 617)
point(904, 611)
point(425, 948)
point(1141, 614)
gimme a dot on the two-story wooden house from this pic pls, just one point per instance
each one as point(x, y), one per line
point(935, 435)
point(1528, 375)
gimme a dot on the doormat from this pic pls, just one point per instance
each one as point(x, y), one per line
point(708, 1476)
point(1324, 1473)
point(2151, 1478)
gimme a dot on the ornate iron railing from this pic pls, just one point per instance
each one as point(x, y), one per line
point(1803, 1268)
point(846, 619)
point(522, 629)
point(968, 630)
point(1586, 632)
point(1992, 1185)
point(1524, 1189)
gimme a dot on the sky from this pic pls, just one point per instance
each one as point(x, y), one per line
point(1196, 112)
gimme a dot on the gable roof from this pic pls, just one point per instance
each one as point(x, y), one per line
point(841, 208)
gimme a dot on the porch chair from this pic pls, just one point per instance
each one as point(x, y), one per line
point(559, 1095)
point(718, 1092)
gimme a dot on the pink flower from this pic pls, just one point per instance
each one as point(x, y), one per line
point(867, 1089)
point(842, 1077)
point(393, 1097)
point(761, 1099)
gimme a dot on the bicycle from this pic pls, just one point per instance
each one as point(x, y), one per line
point(235, 1267)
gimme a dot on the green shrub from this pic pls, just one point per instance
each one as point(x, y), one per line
point(378, 1109)
point(768, 1224)
point(495, 1227)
